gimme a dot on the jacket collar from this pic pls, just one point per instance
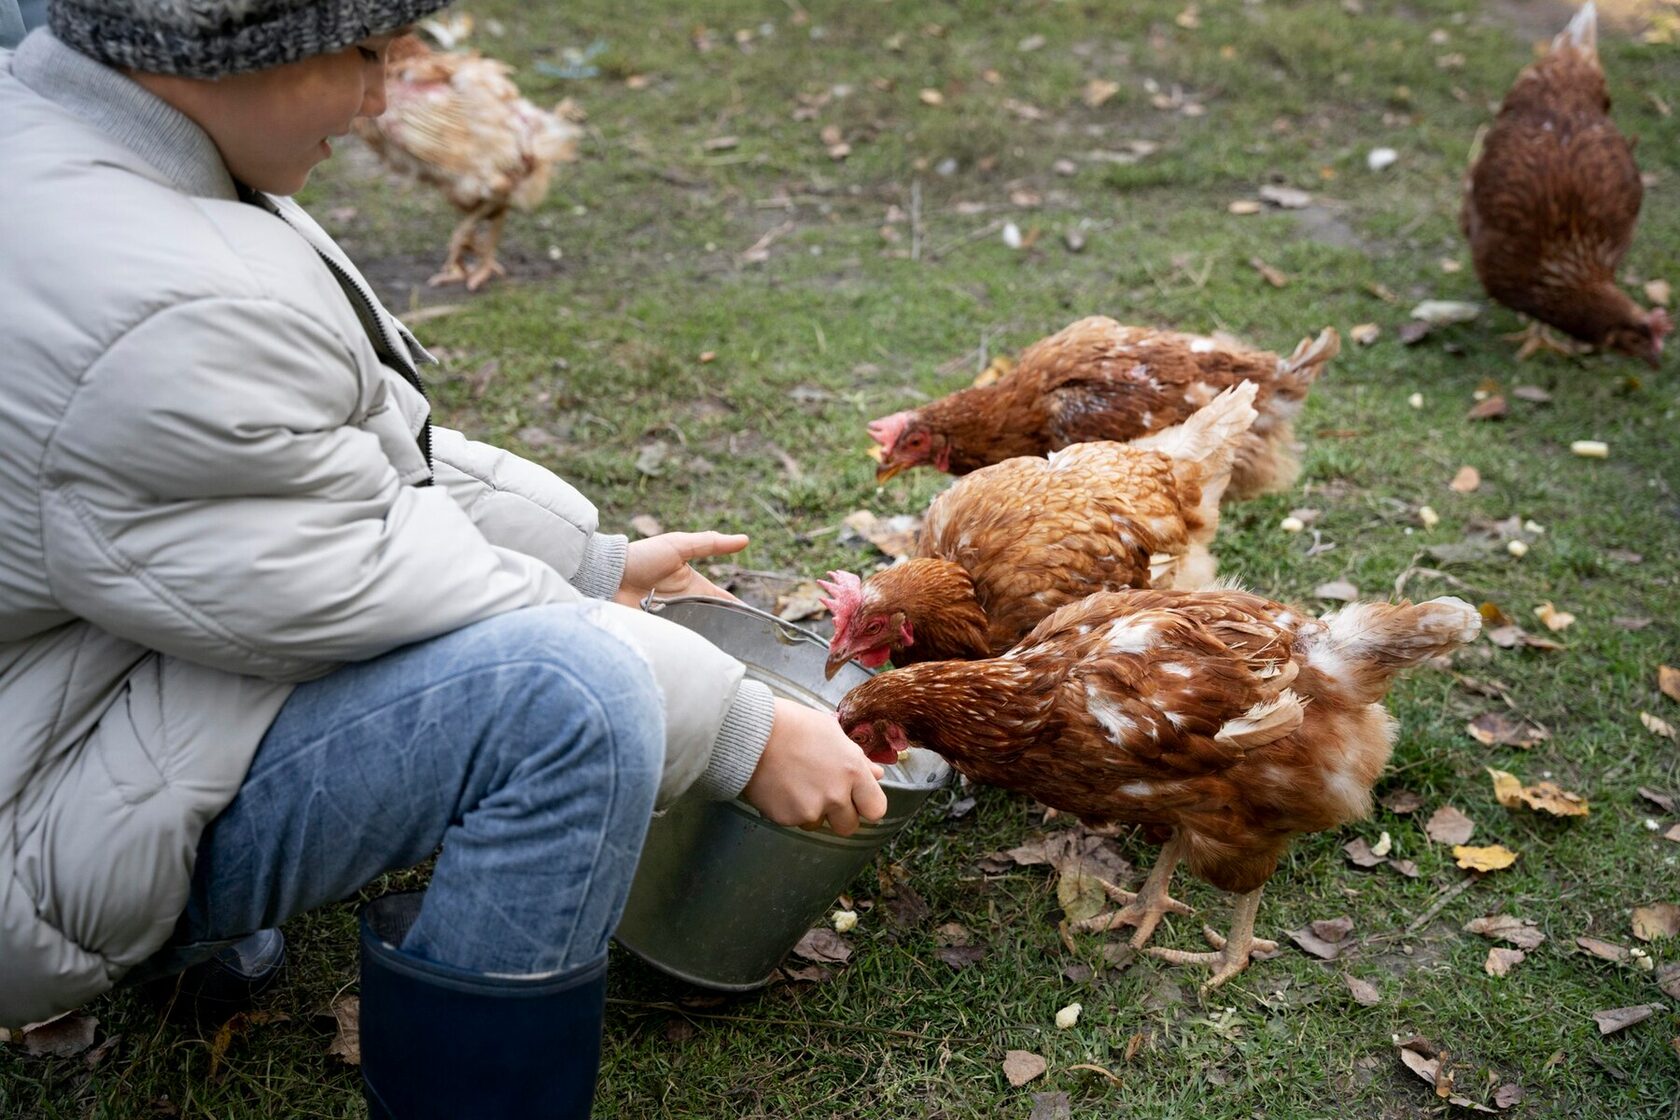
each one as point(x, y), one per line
point(139, 120)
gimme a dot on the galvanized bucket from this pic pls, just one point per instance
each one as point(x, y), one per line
point(722, 894)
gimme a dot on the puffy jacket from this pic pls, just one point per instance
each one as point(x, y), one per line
point(214, 483)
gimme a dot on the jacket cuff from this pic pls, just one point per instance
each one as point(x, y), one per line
point(602, 568)
point(739, 743)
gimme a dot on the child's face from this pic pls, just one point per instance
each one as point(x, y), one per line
point(273, 126)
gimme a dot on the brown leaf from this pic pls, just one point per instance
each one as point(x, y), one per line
point(1363, 991)
point(1673, 833)
point(1271, 275)
point(1497, 729)
point(1402, 801)
point(960, 957)
point(1668, 979)
point(1604, 950)
point(1021, 1066)
point(1334, 930)
point(1658, 727)
point(1405, 867)
point(1097, 91)
point(803, 601)
point(906, 908)
point(1620, 1018)
point(1493, 408)
point(1340, 591)
point(895, 536)
point(1554, 619)
point(823, 945)
point(63, 1037)
point(346, 1045)
point(1668, 679)
point(1449, 826)
point(807, 973)
point(1053, 1106)
point(1663, 801)
point(1365, 334)
point(1414, 331)
point(1521, 932)
point(953, 933)
point(1494, 857)
point(1501, 961)
point(1323, 939)
point(1419, 1056)
point(1359, 853)
point(1656, 921)
point(1467, 480)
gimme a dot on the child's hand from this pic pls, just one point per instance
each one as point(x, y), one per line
point(661, 564)
point(811, 771)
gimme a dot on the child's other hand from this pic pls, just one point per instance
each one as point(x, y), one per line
point(661, 564)
point(811, 771)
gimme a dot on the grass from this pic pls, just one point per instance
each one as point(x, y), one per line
point(599, 356)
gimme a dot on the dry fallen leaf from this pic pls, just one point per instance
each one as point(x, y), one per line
point(1271, 275)
point(1340, 591)
point(805, 600)
point(1542, 797)
point(931, 97)
point(1664, 801)
point(1363, 991)
point(1658, 292)
point(1521, 932)
point(1402, 801)
point(1604, 950)
point(1021, 1066)
point(895, 536)
point(1466, 480)
point(1656, 921)
point(1449, 826)
point(1501, 961)
point(347, 1043)
point(1496, 729)
point(1285, 198)
point(1668, 679)
point(1360, 854)
point(1508, 1094)
point(1365, 334)
point(1494, 857)
point(63, 1037)
point(1324, 939)
point(1620, 1018)
point(1554, 619)
point(1081, 896)
point(1532, 394)
point(1657, 726)
point(1097, 92)
point(1491, 409)
point(823, 945)
point(1245, 206)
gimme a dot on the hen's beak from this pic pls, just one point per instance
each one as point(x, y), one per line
point(836, 662)
point(886, 471)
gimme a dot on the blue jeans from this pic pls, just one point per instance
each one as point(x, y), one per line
point(529, 746)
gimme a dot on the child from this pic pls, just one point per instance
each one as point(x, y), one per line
point(266, 632)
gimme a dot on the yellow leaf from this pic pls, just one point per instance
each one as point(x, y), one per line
point(1491, 858)
point(1507, 788)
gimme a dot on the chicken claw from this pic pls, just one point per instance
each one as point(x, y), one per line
point(1147, 907)
point(1537, 337)
point(452, 272)
point(1232, 954)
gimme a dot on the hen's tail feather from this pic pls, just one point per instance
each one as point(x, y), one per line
point(1296, 373)
point(1582, 32)
point(1364, 645)
point(1211, 431)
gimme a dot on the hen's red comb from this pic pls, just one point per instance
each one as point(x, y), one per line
point(888, 430)
point(845, 592)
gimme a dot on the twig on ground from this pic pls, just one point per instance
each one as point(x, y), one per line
point(1440, 904)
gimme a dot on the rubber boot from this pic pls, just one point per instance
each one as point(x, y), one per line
point(439, 1042)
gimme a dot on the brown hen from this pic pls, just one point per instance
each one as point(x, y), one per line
point(1004, 546)
point(1223, 722)
point(456, 121)
point(1100, 380)
point(1551, 201)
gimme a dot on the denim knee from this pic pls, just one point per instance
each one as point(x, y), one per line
point(563, 664)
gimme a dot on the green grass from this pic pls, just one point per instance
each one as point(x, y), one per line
point(599, 356)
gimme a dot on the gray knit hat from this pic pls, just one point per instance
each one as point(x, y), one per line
point(213, 38)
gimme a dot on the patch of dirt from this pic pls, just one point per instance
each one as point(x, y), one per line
point(1321, 224)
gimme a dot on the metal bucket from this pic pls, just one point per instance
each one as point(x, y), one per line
point(722, 894)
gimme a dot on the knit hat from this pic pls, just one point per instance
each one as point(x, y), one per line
point(214, 38)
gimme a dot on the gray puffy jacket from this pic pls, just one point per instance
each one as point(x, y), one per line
point(208, 457)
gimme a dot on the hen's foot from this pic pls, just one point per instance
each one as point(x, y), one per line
point(450, 273)
point(1230, 958)
point(1139, 910)
point(481, 275)
point(1537, 337)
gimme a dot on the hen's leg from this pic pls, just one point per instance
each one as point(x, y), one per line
point(453, 271)
point(1145, 908)
point(1232, 953)
point(487, 265)
point(1536, 337)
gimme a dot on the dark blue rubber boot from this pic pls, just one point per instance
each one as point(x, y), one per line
point(438, 1042)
